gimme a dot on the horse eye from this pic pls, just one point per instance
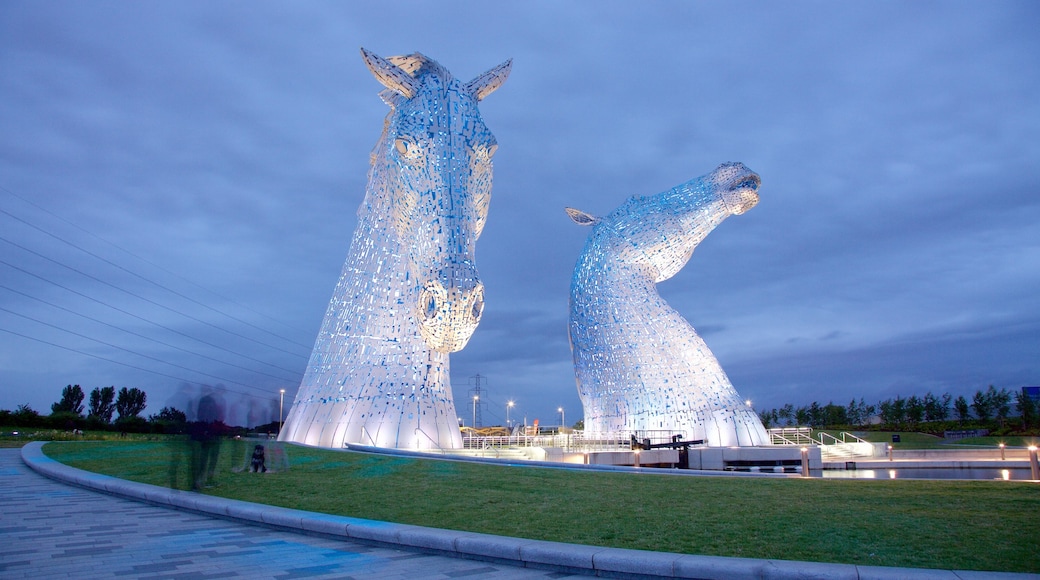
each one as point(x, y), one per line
point(405, 147)
point(485, 152)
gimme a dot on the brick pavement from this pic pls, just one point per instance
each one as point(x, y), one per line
point(53, 530)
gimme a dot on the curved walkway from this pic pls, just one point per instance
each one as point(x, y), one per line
point(52, 530)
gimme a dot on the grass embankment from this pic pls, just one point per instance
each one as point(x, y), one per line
point(19, 436)
point(977, 525)
point(913, 440)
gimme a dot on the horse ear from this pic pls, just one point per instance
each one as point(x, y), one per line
point(489, 82)
point(581, 218)
point(389, 74)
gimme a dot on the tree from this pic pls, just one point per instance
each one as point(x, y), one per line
point(170, 415)
point(932, 407)
point(168, 420)
point(25, 416)
point(866, 412)
point(982, 403)
point(101, 404)
point(130, 403)
point(71, 401)
point(944, 407)
point(834, 414)
point(765, 417)
point(914, 410)
point(852, 412)
point(1001, 401)
point(893, 411)
point(801, 416)
point(1027, 408)
point(960, 406)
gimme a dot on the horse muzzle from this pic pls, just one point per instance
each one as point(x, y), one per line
point(448, 315)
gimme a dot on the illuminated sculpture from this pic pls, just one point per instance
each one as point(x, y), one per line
point(409, 293)
point(639, 364)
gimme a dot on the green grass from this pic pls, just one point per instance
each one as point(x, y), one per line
point(994, 441)
point(27, 434)
point(907, 440)
point(977, 525)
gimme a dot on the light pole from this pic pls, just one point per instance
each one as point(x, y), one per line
point(509, 406)
point(563, 417)
point(281, 400)
point(475, 399)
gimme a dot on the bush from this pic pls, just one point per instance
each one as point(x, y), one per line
point(131, 425)
point(65, 421)
point(26, 416)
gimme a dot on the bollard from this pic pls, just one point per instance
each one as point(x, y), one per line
point(1002, 451)
point(636, 453)
point(805, 462)
point(1034, 468)
point(890, 453)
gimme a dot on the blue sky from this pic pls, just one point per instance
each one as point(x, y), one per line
point(179, 182)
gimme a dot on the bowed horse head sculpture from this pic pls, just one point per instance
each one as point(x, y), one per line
point(433, 163)
point(639, 365)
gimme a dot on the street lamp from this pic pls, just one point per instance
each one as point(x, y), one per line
point(748, 403)
point(475, 399)
point(509, 406)
point(281, 400)
point(563, 417)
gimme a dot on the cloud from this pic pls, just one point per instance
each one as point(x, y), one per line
point(894, 248)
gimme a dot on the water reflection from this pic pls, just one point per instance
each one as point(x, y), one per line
point(1012, 474)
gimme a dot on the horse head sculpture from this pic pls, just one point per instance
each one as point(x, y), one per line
point(639, 365)
point(433, 163)
point(660, 232)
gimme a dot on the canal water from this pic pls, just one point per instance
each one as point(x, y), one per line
point(1013, 474)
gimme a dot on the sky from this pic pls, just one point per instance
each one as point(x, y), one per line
point(179, 183)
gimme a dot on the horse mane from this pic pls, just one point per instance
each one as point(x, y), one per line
point(418, 63)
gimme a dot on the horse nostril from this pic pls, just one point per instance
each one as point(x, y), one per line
point(431, 306)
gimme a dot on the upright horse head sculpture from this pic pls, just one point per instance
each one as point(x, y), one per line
point(409, 293)
point(639, 364)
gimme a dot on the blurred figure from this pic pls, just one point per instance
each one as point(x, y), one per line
point(206, 433)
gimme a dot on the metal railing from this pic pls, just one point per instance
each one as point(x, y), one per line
point(804, 436)
point(792, 436)
point(569, 440)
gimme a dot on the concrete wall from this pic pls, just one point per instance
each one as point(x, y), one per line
point(711, 458)
point(719, 457)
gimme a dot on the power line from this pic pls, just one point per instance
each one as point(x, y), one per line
point(154, 265)
point(115, 346)
point(154, 372)
point(148, 300)
point(139, 335)
point(141, 318)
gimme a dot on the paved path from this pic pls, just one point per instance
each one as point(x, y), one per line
point(52, 530)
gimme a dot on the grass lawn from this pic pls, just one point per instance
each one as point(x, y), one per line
point(978, 525)
point(992, 441)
